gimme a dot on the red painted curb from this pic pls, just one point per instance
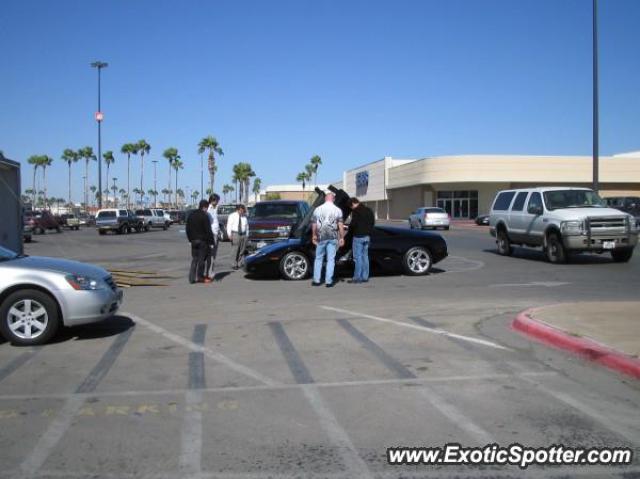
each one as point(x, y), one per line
point(585, 347)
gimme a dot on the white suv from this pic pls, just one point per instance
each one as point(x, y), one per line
point(561, 220)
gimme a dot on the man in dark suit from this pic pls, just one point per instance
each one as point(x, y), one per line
point(200, 236)
point(361, 228)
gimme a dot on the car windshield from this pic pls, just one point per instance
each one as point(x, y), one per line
point(107, 214)
point(572, 199)
point(275, 210)
point(7, 254)
point(226, 209)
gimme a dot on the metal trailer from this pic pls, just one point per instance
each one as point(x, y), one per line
point(10, 205)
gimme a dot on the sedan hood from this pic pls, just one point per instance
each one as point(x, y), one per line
point(60, 265)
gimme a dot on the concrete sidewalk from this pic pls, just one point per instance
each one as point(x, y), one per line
point(604, 332)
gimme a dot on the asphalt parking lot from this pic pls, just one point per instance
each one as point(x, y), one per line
point(268, 378)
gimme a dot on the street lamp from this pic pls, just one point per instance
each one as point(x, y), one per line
point(155, 185)
point(99, 117)
point(596, 146)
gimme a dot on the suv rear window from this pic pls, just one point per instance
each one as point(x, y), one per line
point(503, 200)
point(518, 204)
point(434, 210)
point(123, 212)
point(107, 214)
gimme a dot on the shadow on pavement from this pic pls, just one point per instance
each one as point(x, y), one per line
point(221, 275)
point(104, 329)
point(574, 258)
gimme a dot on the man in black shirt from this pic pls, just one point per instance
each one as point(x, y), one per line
point(200, 236)
point(361, 228)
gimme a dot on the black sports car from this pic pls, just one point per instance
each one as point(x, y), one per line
point(391, 250)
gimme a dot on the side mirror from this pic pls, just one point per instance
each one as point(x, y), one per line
point(535, 210)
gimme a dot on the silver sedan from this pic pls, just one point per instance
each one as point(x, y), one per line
point(38, 295)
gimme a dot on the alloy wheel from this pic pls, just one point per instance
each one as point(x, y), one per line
point(27, 319)
point(418, 260)
point(295, 266)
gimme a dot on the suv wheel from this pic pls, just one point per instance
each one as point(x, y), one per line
point(556, 253)
point(417, 261)
point(294, 266)
point(622, 255)
point(28, 317)
point(504, 245)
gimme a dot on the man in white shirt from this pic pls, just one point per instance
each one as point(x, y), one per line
point(212, 211)
point(327, 234)
point(238, 231)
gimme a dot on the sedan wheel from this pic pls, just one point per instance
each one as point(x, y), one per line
point(294, 266)
point(417, 261)
point(29, 317)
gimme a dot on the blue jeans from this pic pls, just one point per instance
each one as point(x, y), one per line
point(361, 257)
point(327, 247)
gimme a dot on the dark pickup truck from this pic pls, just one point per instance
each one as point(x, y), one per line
point(271, 221)
point(118, 221)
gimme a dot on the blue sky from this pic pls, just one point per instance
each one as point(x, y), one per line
point(279, 81)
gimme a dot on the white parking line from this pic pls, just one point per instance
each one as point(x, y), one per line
point(221, 358)
point(419, 328)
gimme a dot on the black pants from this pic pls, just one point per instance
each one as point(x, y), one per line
point(199, 253)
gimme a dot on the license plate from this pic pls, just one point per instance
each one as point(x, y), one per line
point(260, 244)
point(608, 244)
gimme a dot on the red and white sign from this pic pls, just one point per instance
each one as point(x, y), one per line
point(99, 116)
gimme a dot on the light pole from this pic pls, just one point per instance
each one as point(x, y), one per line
point(155, 185)
point(99, 117)
point(201, 177)
point(596, 146)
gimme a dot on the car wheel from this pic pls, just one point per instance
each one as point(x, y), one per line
point(504, 245)
point(556, 253)
point(164, 227)
point(27, 239)
point(294, 266)
point(101, 232)
point(58, 229)
point(622, 255)
point(417, 261)
point(29, 317)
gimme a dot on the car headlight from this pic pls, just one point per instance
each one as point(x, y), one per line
point(83, 283)
point(572, 227)
point(283, 230)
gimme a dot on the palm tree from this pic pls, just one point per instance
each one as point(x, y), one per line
point(303, 177)
point(35, 161)
point(247, 174)
point(28, 194)
point(165, 192)
point(153, 193)
point(143, 148)
point(70, 157)
point(123, 194)
point(114, 188)
point(44, 162)
point(128, 149)
point(93, 189)
point(237, 179)
point(179, 194)
point(138, 191)
point(87, 154)
point(108, 159)
point(315, 162)
point(194, 196)
point(226, 189)
point(177, 165)
point(209, 143)
point(257, 184)
point(170, 154)
point(308, 168)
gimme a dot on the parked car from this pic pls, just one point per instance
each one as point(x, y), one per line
point(118, 221)
point(429, 217)
point(177, 216)
point(163, 215)
point(223, 213)
point(274, 220)
point(41, 221)
point(628, 204)
point(151, 220)
point(38, 295)
point(86, 219)
point(27, 230)
point(391, 250)
point(561, 220)
point(70, 221)
point(482, 220)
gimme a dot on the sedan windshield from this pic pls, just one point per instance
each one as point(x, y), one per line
point(7, 254)
point(572, 199)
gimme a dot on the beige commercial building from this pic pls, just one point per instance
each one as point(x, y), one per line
point(288, 192)
point(465, 185)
